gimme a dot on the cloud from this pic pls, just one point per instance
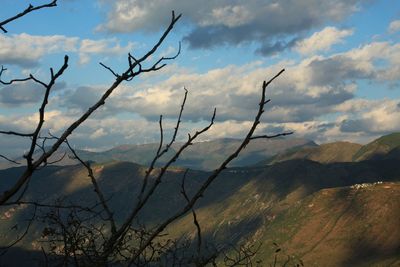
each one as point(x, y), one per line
point(55, 122)
point(98, 133)
point(315, 97)
point(394, 26)
point(24, 93)
point(27, 50)
point(322, 41)
point(225, 22)
point(312, 88)
point(103, 47)
point(274, 48)
point(81, 98)
point(21, 93)
point(379, 117)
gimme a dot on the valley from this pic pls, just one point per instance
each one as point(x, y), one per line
point(328, 205)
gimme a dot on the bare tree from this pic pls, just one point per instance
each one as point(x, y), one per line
point(38, 143)
point(91, 236)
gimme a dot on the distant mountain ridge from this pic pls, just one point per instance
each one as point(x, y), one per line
point(208, 155)
point(205, 155)
point(301, 204)
point(325, 153)
point(384, 147)
point(333, 204)
point(379, 147)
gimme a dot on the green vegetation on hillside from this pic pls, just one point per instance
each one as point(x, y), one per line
point(325, 153)
point(304, 206)
point(378, 147)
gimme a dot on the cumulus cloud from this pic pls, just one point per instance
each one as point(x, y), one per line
point(394, 26)
point(103, 47)
point(322, 41)
point(32, 48)
point(379, 117)
point(227, 22)
point(98, 133)
point(26, 50)
point(309, 89)
point(22, 93)
point(272, 48)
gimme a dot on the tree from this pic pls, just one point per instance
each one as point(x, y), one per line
point(90, 236)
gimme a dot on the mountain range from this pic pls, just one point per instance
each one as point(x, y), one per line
point(334, 204)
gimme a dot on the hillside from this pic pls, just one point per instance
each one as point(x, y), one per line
point(201, 155)
point(209, 154)
point(385, 147)
point(378, 148)
point(325, 153)
point(268, 204)
point(360, 229)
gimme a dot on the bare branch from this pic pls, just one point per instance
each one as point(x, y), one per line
point(91, 234)
point(270, 136)
point(216, 173)
point(33, 165)
point(195, 221)
point(160, 153)
point(16, 133)
point(2, 70)
point(10, 160)
point(116, 239)
point(30, 221)
point(29, 9)
point(109, 69)
point(97, 189)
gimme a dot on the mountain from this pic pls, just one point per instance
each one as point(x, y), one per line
point(378, 148)
point(206, 155)
point(325, 153)
point(62, 157)
point(346, 226)
point(201, 155)
point(308, 208)
point(385, 147)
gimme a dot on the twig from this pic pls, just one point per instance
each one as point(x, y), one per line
point(29, 9)
point(126, 76)
point(10, 160)
point(195, 221)
point(97, 189)
point(216, 173)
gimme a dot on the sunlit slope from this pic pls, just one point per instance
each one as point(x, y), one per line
point(378, 148)
point(325, 153)
point(315, 219)
point(349, 226)
point(295, 203)
point(202, 155)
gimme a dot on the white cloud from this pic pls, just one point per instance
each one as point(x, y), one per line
point(98, 133)
point(230, 16)
point(394, 26)
point(373, 117)
point(309, 89)
point(103, 47)
point(322, 41)
point(221, 22)
point(27, 50)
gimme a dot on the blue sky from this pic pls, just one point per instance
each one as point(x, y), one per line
point(342, 60)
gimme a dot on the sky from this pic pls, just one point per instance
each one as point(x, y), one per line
point(342, 62)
